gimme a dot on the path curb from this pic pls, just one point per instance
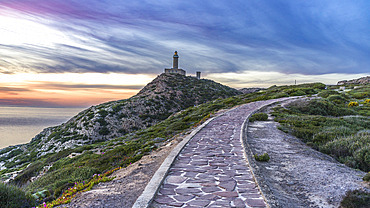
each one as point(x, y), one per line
point(146, 198)
point(247, 151)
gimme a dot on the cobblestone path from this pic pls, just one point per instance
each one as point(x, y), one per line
point(212, 170)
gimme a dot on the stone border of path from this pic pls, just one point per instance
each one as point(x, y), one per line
point(243, 139)
point(247, 151)
point(145, 199)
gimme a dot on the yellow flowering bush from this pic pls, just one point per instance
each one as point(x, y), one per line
point(367, 101)
point(352, 104)
point(79, 187)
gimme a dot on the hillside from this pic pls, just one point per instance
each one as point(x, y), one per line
point(58, 171)
point(165, 95)
point(361, 81)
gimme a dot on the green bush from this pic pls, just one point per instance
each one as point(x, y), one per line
point(62, 177)
point(29, 172)
point(297, 93)
point(262, 158)
point(104, 131)
point(353, 150)
point(327, 93)
point(362, 157)
point(356, 199)
point(258, 117)
point(337, 99)
point(367, 177)
point(319, 107)
point(360, 92)
point(11, 196)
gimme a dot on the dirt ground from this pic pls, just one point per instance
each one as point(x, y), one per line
point(296, 175)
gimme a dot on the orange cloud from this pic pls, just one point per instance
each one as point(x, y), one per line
point(68, 91)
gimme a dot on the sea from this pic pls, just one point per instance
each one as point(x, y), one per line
point(18, 125)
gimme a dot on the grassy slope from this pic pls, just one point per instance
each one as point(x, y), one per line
point(329, 125)
point(130, 148)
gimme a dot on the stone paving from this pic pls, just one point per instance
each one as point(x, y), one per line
point(212, 170)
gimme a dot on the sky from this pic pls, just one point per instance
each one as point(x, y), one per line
point(77, 53)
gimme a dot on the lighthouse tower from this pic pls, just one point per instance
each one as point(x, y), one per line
point(175, 61)
point(175, 67)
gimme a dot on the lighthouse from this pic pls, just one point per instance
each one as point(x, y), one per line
point(175, 66)
point(175, 60)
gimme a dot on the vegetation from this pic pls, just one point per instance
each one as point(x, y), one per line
point(332, 124)
point(104, 156)
point(338, 125)
point(258, 117)
point(352, 104)
point(11, 196)
point(356, 199)
point(262, 158)
point(367, 177)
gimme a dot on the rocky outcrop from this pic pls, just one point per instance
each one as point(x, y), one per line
point(362, 81)
point(250, 90)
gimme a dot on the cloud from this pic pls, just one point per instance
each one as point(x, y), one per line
point(12, 90)
point(64, 86)
point(308, 38)
point(29, 102)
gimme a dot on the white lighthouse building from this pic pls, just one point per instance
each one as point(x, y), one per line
point(175, 67)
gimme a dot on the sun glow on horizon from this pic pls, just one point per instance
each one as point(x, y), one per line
point(267, 79)
point(68, 89)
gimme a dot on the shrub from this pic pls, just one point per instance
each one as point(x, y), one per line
point(12, 196)
point(319, 107)
point(104, 131)
point(356, 199)
point(30, 171)
point(366, 177)
point(298, 93)
point(262, 158)
point(327, 93)
point(352, 104)
point(353, 150)
point(362, 157)
point(337, 99)
point(258, 117)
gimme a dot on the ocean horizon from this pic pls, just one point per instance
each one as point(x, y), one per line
point(18, 125)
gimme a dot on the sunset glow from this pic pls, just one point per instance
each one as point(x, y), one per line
point(81, 53)
point(69, 89)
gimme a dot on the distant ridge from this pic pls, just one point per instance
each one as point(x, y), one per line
point(362, 80)
point(250, 90)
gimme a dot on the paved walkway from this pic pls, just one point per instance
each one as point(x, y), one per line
point(212, 170)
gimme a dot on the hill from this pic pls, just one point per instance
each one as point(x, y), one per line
point(58, 171)
point(164, 96)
